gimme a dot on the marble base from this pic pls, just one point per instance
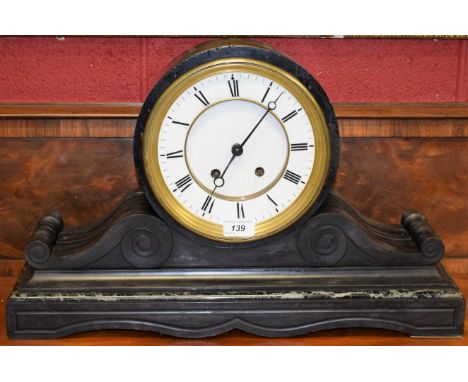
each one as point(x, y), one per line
point(419, 301)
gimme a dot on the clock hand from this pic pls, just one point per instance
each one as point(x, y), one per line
point(271, 106)
point(237, 149)
point(219, 181)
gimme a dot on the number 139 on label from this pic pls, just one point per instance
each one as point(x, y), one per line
point(239, 228)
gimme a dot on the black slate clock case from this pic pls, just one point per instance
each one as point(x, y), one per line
point(139, 269)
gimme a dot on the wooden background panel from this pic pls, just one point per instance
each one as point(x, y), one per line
point(83, 178)
point(10, 268)
point(125, 127)
point(86, 171)
point(67, 128)
point(80, 178)
point(403, 127)
point(131, 110)
point(384, 176)
point(118, 120)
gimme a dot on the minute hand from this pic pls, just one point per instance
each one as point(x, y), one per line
point(271, 106)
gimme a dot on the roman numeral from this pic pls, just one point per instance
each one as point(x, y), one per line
point(181, 123)
point(175, 154)
point(266, 93)
point(271, 200)
point(299, 146)
point(183, 183)
point(208, 204)
point(201, 97)
point(292, 114)
point(234, 86)
point(292, 177)
point(240, 211)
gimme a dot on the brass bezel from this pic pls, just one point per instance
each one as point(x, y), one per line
point(269, 227)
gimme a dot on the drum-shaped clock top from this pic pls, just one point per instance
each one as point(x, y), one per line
point(235, 148)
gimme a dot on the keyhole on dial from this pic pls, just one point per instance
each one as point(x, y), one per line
point(215, 173)
point(259, 171)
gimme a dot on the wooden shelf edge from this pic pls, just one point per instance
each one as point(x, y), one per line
point(70, 110)
point(131, 110)
point(401, 110)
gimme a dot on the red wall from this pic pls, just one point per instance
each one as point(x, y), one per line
point(116, 69)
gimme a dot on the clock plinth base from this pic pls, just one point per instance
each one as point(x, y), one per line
point(199, 303)
point(133, 271)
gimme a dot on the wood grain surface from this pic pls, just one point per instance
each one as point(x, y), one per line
point(118, 120)
point(342, 110)
point(403, 127)
point(343, 337)
point(69, 110)
point(125, 127)
point(83, 179)
point(78, 160)
point(383, 177)
point(67, 128)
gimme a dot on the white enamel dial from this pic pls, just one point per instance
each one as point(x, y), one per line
point(273, 156)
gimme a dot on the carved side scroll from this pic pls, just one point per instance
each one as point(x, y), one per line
point(130, 237)
point(340, 236)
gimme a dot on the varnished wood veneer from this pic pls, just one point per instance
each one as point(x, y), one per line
point(118, 120)
point(70, 110)
point(84, 178)
point(129, 110)
point(78, 159)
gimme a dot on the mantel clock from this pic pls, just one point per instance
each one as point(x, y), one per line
point(236, 224)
